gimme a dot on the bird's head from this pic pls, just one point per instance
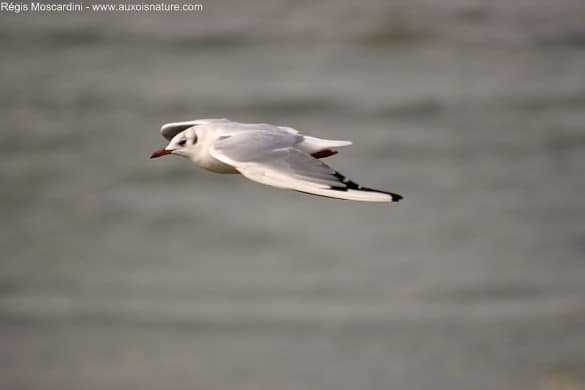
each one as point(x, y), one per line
point(182, 144)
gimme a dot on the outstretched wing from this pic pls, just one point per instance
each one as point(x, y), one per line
point(169, 130)
point(271, 158)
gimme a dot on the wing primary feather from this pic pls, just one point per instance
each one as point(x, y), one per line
point(352, 185)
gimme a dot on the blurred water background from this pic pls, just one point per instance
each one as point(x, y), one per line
point(118, 272)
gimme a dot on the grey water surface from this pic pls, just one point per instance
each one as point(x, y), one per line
point(119, 272)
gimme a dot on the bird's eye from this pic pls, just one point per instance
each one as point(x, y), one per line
point(183, 142)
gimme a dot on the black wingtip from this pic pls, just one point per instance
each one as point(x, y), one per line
point(348, 184)
point(395, 197)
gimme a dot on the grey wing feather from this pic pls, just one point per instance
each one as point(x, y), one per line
point(251, 145)
point(294, 164)
point(262, 155)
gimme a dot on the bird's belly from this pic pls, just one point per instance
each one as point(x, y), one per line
point(214, 165)
point(222, 168)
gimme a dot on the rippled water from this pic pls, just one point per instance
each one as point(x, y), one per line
point(119, 272)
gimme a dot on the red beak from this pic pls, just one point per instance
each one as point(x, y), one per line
point(160, 152)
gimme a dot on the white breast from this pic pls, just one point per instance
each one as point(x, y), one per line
point(201, 157)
